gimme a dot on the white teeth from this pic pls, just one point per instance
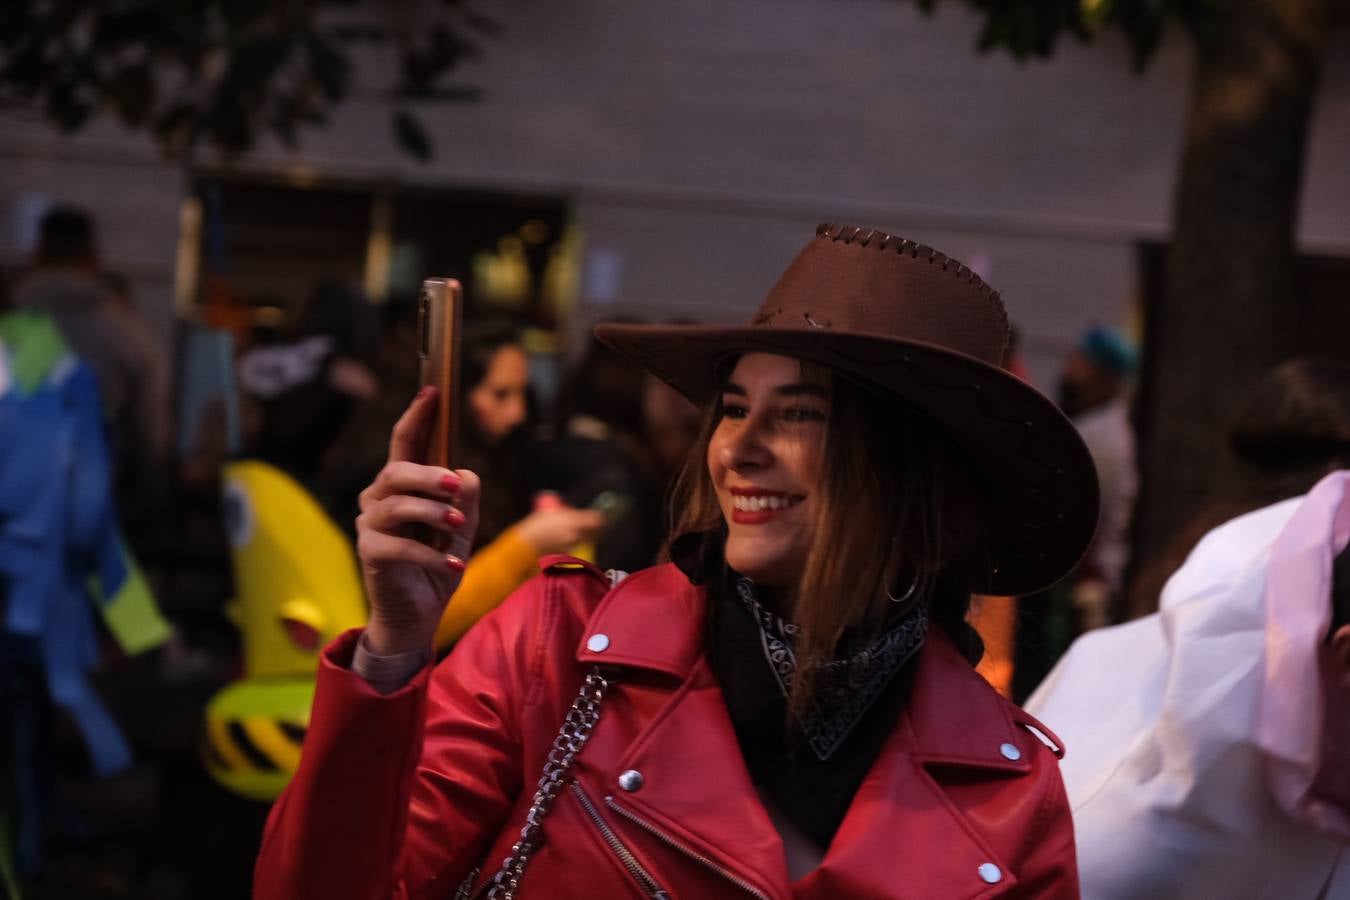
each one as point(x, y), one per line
point(757, 504)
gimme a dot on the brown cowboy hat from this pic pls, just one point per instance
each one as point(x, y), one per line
point(902, 317)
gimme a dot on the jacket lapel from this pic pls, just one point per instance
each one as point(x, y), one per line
point(695, 786)
point(903, 836)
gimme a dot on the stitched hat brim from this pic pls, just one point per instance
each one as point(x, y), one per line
point(1037, 477)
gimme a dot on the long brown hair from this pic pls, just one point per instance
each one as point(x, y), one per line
point(896, 507)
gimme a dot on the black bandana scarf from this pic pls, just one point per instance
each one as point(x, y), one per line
point(847, 686)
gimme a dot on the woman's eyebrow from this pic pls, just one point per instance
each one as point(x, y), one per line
point(797, 389)
point(802, 389)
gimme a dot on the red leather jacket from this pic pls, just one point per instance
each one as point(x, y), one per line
point(404, 795)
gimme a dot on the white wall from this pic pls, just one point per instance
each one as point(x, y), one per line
point(700, 141)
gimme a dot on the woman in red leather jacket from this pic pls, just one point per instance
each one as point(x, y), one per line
point(785, 709)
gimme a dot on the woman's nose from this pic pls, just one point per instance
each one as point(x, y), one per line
point(748, 448)
point(516, 411)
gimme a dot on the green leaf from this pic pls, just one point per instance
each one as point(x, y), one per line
point(443, 94)
point(1027, 28)
point(74, 59)
point(117, 28)
point(133, 92)
point(490, 27)
point(256, 61)
point(26, 69)
point(240, 15)
point(411, 136)
point(176, 124)
point(1095, 13)
point(330, 68)
point(16, 23)
point(360, 32)
point(226, 122)
point(286, 125)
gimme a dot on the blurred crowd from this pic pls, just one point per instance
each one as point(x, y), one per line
point(119, 804)
point(312, 396)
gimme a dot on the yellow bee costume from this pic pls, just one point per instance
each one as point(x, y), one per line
point(298, 588)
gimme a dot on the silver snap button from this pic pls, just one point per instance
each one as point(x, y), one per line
point(631, 780)
point(990, 873)
point(597, 643)
point(1010, 751)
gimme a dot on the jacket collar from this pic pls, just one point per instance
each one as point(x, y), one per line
point(955, 717)
point(656, 620)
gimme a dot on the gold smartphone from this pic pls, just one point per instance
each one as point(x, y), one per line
point(440, 311)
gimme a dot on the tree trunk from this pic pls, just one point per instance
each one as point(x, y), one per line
point(1228, 302)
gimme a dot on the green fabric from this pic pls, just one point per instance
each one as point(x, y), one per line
point(35, 346)
point(131, 614)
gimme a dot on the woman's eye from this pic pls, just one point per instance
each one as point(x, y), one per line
point(734, 411)
point(803, 414)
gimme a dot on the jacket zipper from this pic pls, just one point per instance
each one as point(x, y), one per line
point(630, 862)
point(686, 851)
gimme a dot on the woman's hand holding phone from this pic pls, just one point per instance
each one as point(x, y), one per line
point(411, 571)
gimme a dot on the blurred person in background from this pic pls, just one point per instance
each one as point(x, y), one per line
point(353, 458)
point(1213, 736)
point(496, 412)
point(1093, 393)
point(1291, 429)
point(1013, 358)
point(62, 557)
point(787, 708)
point(995, 617)
point(119, 288)
point(305, 383)
point(65, 282)
point(596, 455)
point(670, 425)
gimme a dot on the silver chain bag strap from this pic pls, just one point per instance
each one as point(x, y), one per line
point(576, 730)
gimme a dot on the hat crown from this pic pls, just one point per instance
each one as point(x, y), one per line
point(863, 280)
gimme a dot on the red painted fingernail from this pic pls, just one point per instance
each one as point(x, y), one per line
point(450, 483)
point(426, 389)
point(453, 517)
point(455, 563)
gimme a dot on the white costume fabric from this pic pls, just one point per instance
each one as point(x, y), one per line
point(1194, 734)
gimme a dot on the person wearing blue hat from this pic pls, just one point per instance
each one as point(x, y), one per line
point(1094, 394)
point(1093, 391)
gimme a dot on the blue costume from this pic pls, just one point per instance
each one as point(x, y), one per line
point(60, 547)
